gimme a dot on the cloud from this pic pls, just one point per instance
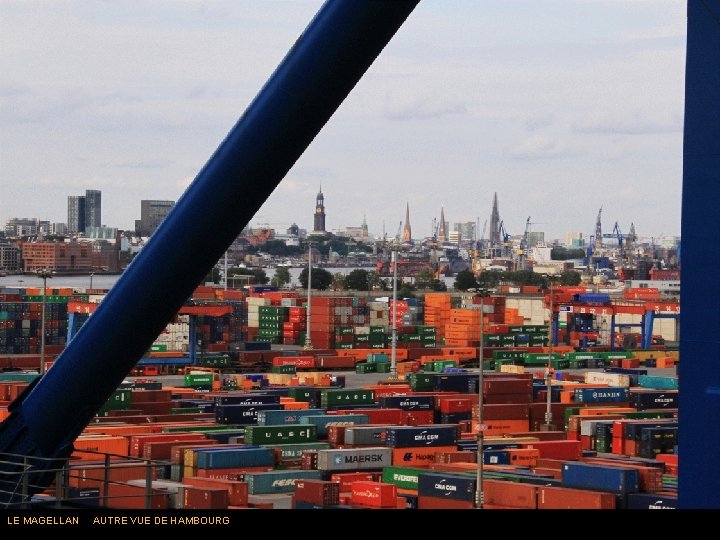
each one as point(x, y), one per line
point(633, 123)
point(420, 107)
point(539, 121)
point(539, 147)
point(155, 164)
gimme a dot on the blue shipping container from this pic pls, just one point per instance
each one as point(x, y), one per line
point(411, 436)
point(601, 395)
point(241, 414)
point(408, 403)
point(447, 486)
point(600, 478)
point(277, 417)
point(651, 501)
point(454, 382)
point(657, 399)
point(220, 458)
point(247, 399)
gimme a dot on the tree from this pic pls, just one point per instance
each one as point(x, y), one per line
point(424, 278)
point(258, 274)
point(358, 280)
point(339, 282)
point(570, 277)
point(489, 279)
point(281, 277)
point(465, 280)
point(213, 275)
point(375, 281)
point(321, 278)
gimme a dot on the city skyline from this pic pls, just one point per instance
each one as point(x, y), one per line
point(560, 110)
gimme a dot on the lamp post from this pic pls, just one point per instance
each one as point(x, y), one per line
point(44, 273)
point(308, 340)
point(92, 273)
point(479, 488)
point(393, 353)
point(548, 425)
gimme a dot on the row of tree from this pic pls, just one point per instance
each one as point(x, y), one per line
point(491, 279)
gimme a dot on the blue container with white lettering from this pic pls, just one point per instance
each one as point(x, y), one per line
point(447, 486)
point(408, 403)
point(242, 415)
point(412, 436)
point(601, 395)
point(247, 399)
point(651, 501)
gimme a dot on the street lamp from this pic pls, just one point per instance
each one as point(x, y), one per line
point(92, 273)
point(393, 354)
point(479, 488)
point(548, 425)
point(44, 273)
point(308, 342)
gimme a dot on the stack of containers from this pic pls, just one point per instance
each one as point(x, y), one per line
point(329, 313)
point(20, 323)
point(463, 330)
point(272, 319)
point(253, 307)
point(494, 308)
point(378, 314)
point(437, 312)
point(296, 326)
point(175, 336)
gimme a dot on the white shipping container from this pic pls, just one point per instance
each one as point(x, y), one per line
point(611, 379)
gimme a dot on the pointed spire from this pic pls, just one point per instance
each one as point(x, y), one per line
point(598, 232)
point(442, 229)
point(407, 231)
point(495, 223)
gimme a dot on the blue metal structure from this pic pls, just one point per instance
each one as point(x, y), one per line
point(699, 369)
point(319, 71)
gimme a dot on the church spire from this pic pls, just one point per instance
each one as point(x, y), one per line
point(407, 231)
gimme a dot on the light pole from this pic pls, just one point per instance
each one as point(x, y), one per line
point(44, 273)
point(91, 276)
point(308, 340)
point(479, 488)
point(393, 353)
point(548, 426)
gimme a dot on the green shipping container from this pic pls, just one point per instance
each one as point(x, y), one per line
point(278, 482)
point(344, 346)
point(201, 380)
point(287, 370)
point(508, 355)
point(383, 367)
point(378, 345)
point(283, 434)
point(344, 330)
point(439, 365)
point(421, 382)
point(362, 338)
point(403, 477)
point(364, 367)
point(377, 358)
point(158, 347)
point(375, 330)
point(347, 397)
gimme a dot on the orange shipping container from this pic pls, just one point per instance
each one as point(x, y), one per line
point(88, 448)
point(237, 490)
point(511, 494)
point(418, 456)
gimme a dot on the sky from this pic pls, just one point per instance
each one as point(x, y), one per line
point(559, 106)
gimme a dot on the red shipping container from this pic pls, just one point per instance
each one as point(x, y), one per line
point(153, 407)
point(335, 362)
point(507, 411)
point(237, 490)
point(317, 492)
point(511, 494)
point(373, 494)
point(560, 498)
point(163, 449)
point(202, 498)
point(128, 497)
point(507, 386)
point(91, 474)
point(229, 474)
point(495, 399)
point(336, 434)
point(442, 503)
point(456, 405)
point(418, 418)
point(569, 450)
point(345, 480)
point(150, 395)
point(455, 456)
point(394, 417)
point(137, 442)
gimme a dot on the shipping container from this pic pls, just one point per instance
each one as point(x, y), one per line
point(321, 421)
point(600, 478)
point(447, 486)
point(413, 436)
point(281, 417)
point(278, 481)
point(281, 434)
point(559, 498)
point(354, 459)
point(223, 458)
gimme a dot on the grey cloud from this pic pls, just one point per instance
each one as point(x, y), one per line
point(630, 124)
point(423, 109)
point(536, 148)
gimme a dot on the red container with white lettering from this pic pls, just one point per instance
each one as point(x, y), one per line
point(373, 494)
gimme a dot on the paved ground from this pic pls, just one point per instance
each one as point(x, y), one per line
point(355, 380)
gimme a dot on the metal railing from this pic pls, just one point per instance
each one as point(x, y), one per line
point(21, 475)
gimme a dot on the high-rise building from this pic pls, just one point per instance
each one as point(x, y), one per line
point(454, 237)
point(574, 239)
point(76, 214)
point(466, 230)
point(319, 217)
point(407, 230)
point(9, 257)
point(93, 214)
point(151, 215)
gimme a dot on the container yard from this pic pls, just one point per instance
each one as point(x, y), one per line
point(329, 428)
